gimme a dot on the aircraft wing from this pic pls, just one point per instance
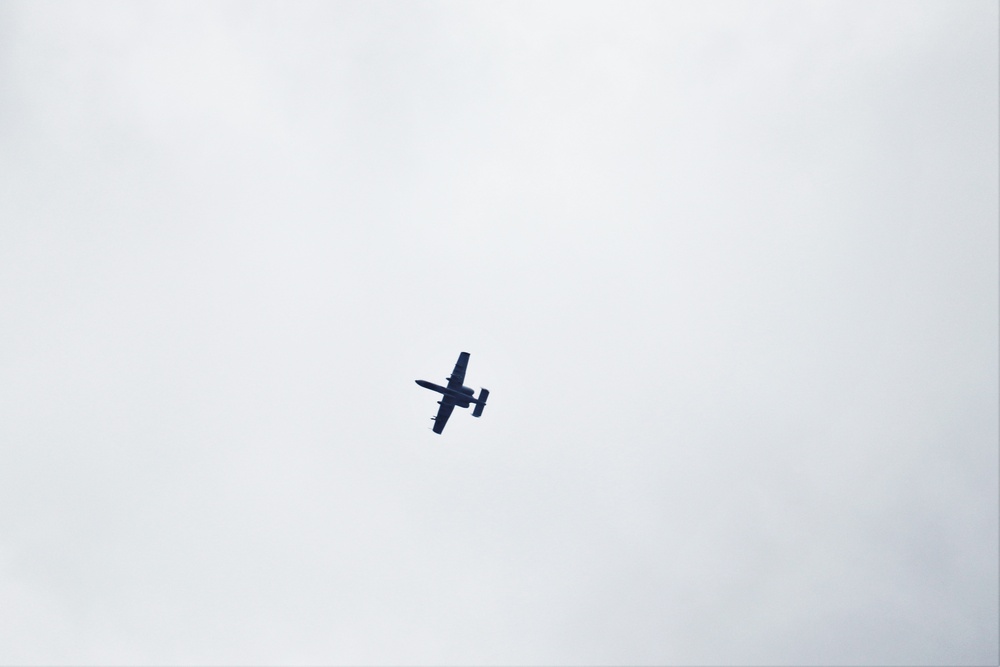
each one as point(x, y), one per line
point(457, 376)
point(443, 413)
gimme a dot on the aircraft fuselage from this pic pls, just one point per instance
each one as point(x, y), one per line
point(462, 397)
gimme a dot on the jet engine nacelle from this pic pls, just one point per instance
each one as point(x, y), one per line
point(467, 390)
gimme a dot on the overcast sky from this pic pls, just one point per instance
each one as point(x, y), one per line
point(730, 271)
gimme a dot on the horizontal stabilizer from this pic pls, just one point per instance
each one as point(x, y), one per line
point(480, 403)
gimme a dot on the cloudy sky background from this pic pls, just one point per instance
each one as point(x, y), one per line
point(729, 270)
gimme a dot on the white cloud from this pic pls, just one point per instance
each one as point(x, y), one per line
point(729, 271)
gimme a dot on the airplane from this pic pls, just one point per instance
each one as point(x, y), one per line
point(455, 394)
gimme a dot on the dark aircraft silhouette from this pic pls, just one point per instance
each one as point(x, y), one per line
point(455, 394)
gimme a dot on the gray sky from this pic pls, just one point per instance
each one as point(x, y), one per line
point(730, 271)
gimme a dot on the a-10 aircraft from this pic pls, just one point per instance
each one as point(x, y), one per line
point(456, 394)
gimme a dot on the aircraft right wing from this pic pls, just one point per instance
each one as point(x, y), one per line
point(457, 376)
point(443, 413)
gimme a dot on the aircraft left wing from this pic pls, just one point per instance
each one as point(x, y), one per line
point(443, 413)
point(457, 376)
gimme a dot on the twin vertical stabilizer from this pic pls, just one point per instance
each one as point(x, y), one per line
point(480, 403)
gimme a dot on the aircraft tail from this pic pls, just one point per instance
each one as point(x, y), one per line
point(480, 403)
